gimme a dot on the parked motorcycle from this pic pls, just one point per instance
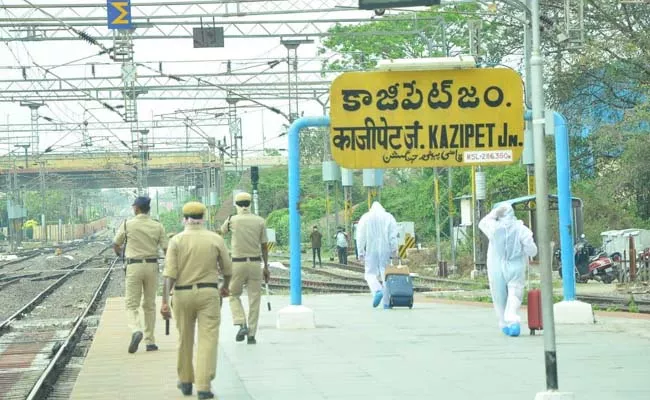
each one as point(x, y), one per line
point(591, 263)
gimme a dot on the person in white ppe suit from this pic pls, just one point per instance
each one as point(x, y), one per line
point(377, 242)
point(510, 243)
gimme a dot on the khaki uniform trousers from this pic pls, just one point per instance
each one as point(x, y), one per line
point(189, 306)
point(250, 274)
point(141, 286)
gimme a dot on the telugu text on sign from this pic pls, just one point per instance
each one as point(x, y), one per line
point(426, 118)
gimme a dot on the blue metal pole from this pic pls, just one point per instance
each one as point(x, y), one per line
point(563, 168)
point(295, 281)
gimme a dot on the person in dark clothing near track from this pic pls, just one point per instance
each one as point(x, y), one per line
point(316, 242)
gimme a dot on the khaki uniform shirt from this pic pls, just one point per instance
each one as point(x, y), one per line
point(143, 236)
point(248, 234)
point(195, 256)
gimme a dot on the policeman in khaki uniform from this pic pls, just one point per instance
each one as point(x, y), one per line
point(192, 265)
point(248, 241)
point(143, 237)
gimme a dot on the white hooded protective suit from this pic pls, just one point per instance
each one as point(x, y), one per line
point(376, 241)
point(510, 244)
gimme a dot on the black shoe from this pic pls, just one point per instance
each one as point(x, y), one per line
point(251, 340)
point(186, 388)
point(152, 347)
point(243, 331)
point(135, 341)
point(205, 395)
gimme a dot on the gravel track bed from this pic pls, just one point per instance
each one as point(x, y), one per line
point(49, 261)
point(64, 385)
point(41, 262)
point(71, 298)
point(306, 276)
point(15, 295)
point(115, 287)
point(344, 272)
point(623, 297)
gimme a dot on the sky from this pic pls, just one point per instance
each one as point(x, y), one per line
point(74, 60)
point(260, 126)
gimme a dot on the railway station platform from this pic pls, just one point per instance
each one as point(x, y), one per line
point(439, 349)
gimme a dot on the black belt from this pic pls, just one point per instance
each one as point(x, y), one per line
point(244, 259)
point(140, 260)
point(198, 285)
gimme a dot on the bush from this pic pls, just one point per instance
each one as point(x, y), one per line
point(279, 220)
point(171, 220)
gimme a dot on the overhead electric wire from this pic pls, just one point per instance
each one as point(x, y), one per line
point(70, 63)
point(208, 83)
point(91, 40)
point(258, 62)
point(104, 50)
point(79, 33)
point(105, 105)
point(20, 65)
point(255, 62)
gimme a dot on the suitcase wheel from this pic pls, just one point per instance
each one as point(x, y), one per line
point(410, 305)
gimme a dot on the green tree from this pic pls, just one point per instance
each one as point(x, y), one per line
point(607, 77)
point(171, 220)
point(439, 31)
point(57, 205)
point(271, 152)
point(312, 145)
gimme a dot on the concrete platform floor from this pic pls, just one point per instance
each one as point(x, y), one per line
point(439, 349)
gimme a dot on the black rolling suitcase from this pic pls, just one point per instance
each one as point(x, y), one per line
point(399, 286)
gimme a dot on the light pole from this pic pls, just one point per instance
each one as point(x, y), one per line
point(25, 147)
point(143, 145)
point(535, 79)
point(541, 198)
point(292, 44)
point(41, 176)
point(33, 106)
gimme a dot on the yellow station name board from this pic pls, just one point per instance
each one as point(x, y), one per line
point(439, 118)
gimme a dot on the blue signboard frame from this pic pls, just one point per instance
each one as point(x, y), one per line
point(119, 14)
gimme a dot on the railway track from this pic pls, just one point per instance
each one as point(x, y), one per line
point(37, 341)
point(20, 283)
point(417, 280)
point(319, 286)
point(22, 263)
point(334, 286)
point(29, 254)
point(617, 303)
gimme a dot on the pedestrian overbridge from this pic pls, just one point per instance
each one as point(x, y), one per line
point(119, 169)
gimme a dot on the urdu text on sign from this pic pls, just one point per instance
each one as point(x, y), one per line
point(439, 118)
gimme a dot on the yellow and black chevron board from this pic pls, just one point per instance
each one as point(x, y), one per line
point(409, 243)
point(270, 236)
point(406, 237)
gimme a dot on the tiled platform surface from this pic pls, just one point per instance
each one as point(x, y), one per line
point(436, 350)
